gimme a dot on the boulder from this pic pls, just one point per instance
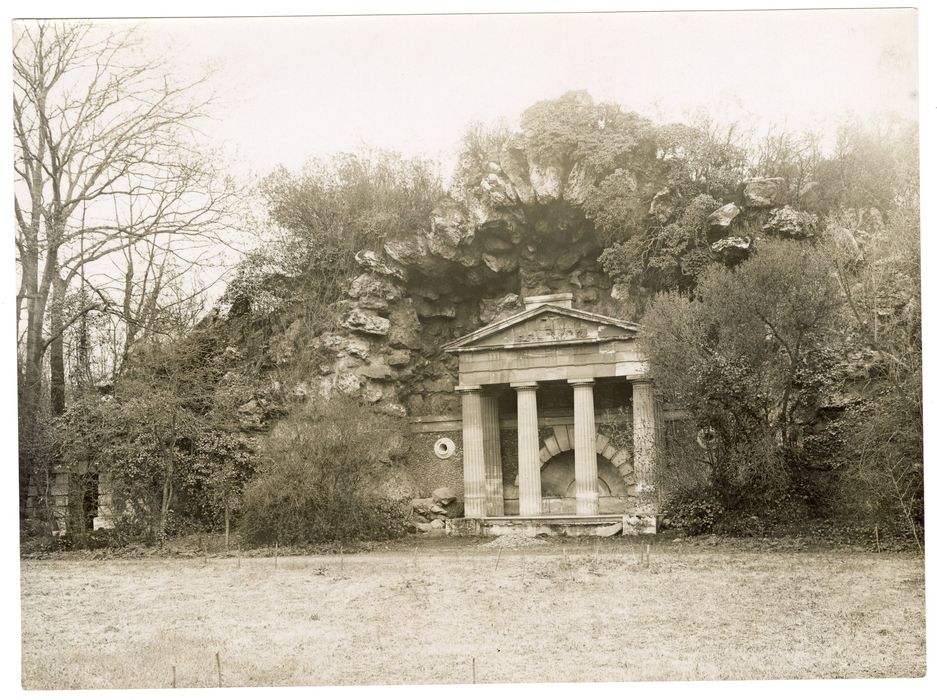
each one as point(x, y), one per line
point(498, 189)
point(662, 206)
point(356, 347)
point(373, 292)
point(347, 383)
point(790, 223)
point(500, 263)
point(406, 250)
point(578, 184)
point(369, 260)
point(372, 394)
point(427, 308)
point(490, 310)
point(398, 358)
point(567, 261)
point(422, 506)
point(405, 330)
point(546, 181)
point(444, 496)
point(423, 527)
point(721, 219)
point(376, 370)
point(437, 524)
point(361, 321)
point(763, 191)
point(732, 250)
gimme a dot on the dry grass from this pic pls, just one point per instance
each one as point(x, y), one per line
point(576, 611)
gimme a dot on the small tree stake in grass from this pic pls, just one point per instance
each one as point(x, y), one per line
point(498, 561)
point(173, 675)
point(473, 670)
point(276, 554)
point(647, 556)
point(218, 666)
point(341, 559)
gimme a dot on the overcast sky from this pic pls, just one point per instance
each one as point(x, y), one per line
point(295, 87)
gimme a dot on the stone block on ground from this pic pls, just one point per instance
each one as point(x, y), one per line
point(444, 496)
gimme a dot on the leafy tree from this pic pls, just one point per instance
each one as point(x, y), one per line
point(749, 356)
point(171, 449)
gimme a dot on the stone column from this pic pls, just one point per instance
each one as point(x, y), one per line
point(491, 431)
point(645, 439)
point(473, 451)
point(587, 470)
point(528, 448)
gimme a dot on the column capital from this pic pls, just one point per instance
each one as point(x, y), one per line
point(518, 386)
point(588, 381)
point(468, 388)
point(641, 379)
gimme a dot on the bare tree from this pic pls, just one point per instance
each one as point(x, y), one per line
point(108, 185)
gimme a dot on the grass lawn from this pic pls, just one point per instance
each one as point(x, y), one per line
point(569, 610)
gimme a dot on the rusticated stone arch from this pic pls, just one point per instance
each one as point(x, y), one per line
point(561, 439)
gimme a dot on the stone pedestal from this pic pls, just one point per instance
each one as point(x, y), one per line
point(587, 471)
point(473, 451)
point(491, 432)
point(528, 448)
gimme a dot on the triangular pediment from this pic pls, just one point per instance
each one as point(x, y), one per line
point(546, 325)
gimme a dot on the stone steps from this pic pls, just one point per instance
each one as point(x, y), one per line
point(568, 525)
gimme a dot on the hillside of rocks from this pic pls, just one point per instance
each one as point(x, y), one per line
point(517, 230)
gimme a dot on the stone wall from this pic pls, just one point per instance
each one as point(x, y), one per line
point(429, 472)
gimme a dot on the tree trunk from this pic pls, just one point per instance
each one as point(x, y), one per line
point(57, 348)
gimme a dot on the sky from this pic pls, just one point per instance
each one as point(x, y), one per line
point(291, 88)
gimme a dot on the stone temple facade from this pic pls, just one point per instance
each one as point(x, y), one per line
point(573, 478)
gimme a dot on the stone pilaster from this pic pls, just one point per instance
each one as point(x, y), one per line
point(587, 471)
point(528, 449)
point(491, 431)
point(645, 442)
point(473, 451)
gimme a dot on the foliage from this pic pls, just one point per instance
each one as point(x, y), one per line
point(323, 216)
point(700, 159)
point(884, 480)
point(749, 357)
point(696, 514)
point(315, 485)
point(574, 129)
point(172, 453)
point(670, 257)
point(872, 165)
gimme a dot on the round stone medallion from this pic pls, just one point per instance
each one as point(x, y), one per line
point(444, 448)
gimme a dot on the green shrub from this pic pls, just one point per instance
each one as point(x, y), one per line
point(317, 483)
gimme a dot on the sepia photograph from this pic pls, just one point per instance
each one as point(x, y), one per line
point(388, 347)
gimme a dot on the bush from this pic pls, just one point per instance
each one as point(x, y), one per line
point(696, 514)
point(317, 483)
